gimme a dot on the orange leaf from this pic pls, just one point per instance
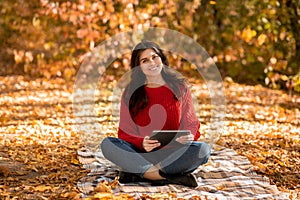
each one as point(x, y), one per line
point(103, 195)
point(74, 161)
point(4, 170)
point(41, 188)
point(102, 187)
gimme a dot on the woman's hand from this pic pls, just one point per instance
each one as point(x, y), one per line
point(149, 145)
point(185, 138)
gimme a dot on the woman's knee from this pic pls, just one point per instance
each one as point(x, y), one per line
point(204, 152)
point(106, 144)
point(201, 151)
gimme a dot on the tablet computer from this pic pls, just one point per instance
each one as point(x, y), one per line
point(166, 136)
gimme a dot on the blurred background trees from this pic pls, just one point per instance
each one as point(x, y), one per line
point(252, 41)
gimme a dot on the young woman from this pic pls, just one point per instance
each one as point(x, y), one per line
point(156, 98)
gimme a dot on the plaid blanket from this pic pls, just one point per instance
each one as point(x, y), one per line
point(227, 175)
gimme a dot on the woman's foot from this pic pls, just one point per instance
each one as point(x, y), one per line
point(181, 179)
point(126, 177)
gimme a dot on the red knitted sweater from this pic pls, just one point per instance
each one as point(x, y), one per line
point(163, 112)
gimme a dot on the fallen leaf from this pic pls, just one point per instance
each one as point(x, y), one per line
point(102, 187)
point(42, 188)
point(103, 195)
point(74, 161)
point(4, 170)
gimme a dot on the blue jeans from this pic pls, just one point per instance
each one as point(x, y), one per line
point(173, 160)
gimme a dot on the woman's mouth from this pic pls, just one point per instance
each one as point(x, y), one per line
point(153, 68)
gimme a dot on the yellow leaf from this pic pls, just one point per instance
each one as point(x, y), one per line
point(102, 187)
point(4, 119)
point(74, 161)
point(261, 166)
point(280, 163)
point(261, 39)
point(221, 187)
point(41, 188)
point(39, 156)
point(248, 34)
point(103, 195)
point(71, 195)
point(115, 183)
point(33, 168)
point(59, 108)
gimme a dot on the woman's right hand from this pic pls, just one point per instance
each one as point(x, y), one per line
point(149, 145)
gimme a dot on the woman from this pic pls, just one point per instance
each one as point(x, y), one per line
point(156, 98)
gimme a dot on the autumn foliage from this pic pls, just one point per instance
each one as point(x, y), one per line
point(254, 41)
point(47, 40)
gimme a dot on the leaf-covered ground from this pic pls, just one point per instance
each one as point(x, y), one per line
point(38, 142)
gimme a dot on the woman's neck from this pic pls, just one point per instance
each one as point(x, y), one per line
point(155, 82)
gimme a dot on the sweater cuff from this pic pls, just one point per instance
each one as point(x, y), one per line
point(140, 143)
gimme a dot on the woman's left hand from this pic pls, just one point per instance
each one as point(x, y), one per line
point(185, 138)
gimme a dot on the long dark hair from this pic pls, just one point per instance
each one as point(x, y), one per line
point(135, 93)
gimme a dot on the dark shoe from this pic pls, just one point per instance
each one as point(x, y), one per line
point(160, 182)
point(126, 177)
point(181, 179)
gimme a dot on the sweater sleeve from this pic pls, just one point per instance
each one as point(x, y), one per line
point(127, 128)
point(189, 120)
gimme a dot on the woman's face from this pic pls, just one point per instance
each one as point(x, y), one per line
point(150, 63)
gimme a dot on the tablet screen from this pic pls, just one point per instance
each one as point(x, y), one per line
point(166, 136)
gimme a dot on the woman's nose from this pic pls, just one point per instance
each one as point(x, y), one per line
point(151, 60)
